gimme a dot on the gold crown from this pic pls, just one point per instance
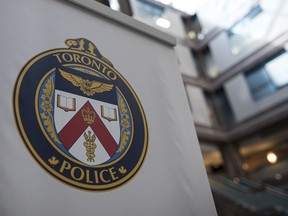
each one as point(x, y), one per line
point(88, 116)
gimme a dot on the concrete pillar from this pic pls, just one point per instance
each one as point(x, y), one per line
point(232, 159)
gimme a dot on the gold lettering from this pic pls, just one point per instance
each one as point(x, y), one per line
point(67, 57)
point(111, 75)
point(96, 64)
point(88, 62)
point(58, 58)
point(73, 170)
point(88, 177)
point(104, 69)
point(112, 173)
point(96, 177)
point(65, 166)
point(101, 175)
point(76, 58)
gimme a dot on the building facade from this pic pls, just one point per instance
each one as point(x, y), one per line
point(233, 59)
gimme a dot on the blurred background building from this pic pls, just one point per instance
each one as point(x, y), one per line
point(233, 59)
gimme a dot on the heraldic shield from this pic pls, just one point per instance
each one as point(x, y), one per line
point(86, 116)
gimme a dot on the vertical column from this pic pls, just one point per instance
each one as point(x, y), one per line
point(125, 7)
point(232, 159)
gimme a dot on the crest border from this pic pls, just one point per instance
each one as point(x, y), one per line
point(37, 157)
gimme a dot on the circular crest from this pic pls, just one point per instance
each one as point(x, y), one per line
point(80, 118)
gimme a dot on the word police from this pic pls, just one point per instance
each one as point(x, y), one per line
point(89, 176)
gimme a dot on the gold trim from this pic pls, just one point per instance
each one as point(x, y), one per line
point(51, 171)
point(125, 125)
point(47, 107)
point(87, 72)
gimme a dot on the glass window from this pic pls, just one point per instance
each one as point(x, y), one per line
point(277, 69)
point(264, 21)
point(269, 76)
point(254, 25)
point(260, 83)
point(149, 10)
point(187, 6)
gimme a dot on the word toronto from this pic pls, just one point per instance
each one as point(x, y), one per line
point(98, 65)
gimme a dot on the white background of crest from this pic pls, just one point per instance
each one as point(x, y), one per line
point(172, 180)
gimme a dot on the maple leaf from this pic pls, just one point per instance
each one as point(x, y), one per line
point(122, 170)
point(53, 161)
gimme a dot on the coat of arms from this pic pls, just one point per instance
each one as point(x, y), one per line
point(84, 123)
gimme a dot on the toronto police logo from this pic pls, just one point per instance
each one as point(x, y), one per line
point(80, 118)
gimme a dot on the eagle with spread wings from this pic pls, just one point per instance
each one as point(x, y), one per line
point(88, 87)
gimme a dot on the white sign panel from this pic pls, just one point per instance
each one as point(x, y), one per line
point(94, 118)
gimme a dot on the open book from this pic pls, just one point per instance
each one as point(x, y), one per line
point(66, 103)
point(109, 114)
